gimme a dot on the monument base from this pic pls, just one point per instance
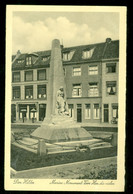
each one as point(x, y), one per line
point(61, 129)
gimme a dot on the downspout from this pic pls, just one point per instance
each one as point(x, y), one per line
point(108, 40)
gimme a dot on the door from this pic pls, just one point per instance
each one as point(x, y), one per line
point(42, 111)
point(79, 113)
point(106, 113)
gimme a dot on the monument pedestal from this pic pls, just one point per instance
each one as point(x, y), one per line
point(61, 129)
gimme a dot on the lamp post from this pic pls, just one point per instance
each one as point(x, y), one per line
point(33, 111)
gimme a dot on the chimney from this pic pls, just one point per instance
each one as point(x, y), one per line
point(18, 52)
point(61, 46)
point(17, 55)
point(108, 40)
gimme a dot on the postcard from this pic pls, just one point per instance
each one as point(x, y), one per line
point(65, 98)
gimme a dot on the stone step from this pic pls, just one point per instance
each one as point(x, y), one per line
point(100, 144)
point(29, 140)
point(27, 144)
point(62, 146)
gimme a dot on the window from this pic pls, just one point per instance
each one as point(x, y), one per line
point(115, 111)
point(28, 92)
point(16, 77)
point(67, 56)
point(87, 54)
point(28, 60)
point(79, 105)
point(93, 70)
point(96, 111)
point(20, 61)
point(28, 75)
point(76, 71)
point(77, 92)
point(42, 91)
point(45, 58)
point(111, 88)
point(93, 89)
point(41, 74)
point(111, 67)
point(71, 110)
point(87, 111)
point(16, 92)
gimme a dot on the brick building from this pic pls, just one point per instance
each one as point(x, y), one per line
point(91, 75)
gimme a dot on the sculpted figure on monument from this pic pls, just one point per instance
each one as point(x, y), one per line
point(61, 104)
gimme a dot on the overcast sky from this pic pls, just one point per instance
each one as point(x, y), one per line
point(34, 31)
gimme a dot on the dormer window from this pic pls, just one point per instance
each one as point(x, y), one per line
point(67, 56)
point(28, 60)
point(20, 61)
point(45, 58)
point(87, 54)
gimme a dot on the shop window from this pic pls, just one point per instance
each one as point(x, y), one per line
point(22, 111)
point(87, 111)
point(93, 70)
point(93, 90)
point(76, 71)
point(28, 92)
point(41, 74)
point(77, 92)
point(96, 111)
point(111, 67)
point(16, 76)
point(16, 92)
point(28, 61)
point(31, 113)
point(28, 75)
point(111, 88)
point(42, 91)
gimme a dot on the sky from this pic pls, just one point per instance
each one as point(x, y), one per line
point(34, 31)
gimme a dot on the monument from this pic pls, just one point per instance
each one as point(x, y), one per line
point(58, 126)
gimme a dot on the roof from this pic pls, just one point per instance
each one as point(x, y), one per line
point(101, 51)
point(112, 50)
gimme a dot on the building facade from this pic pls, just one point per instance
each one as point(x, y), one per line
point(91, 76)
point(110, 84)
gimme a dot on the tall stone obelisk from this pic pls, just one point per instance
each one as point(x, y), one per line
point(55, 80)
point(57, 125)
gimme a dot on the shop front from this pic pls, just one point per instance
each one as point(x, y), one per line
point(28, 112)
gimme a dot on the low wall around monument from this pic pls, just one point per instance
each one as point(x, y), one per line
point(104, 129)
point(88, 128)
